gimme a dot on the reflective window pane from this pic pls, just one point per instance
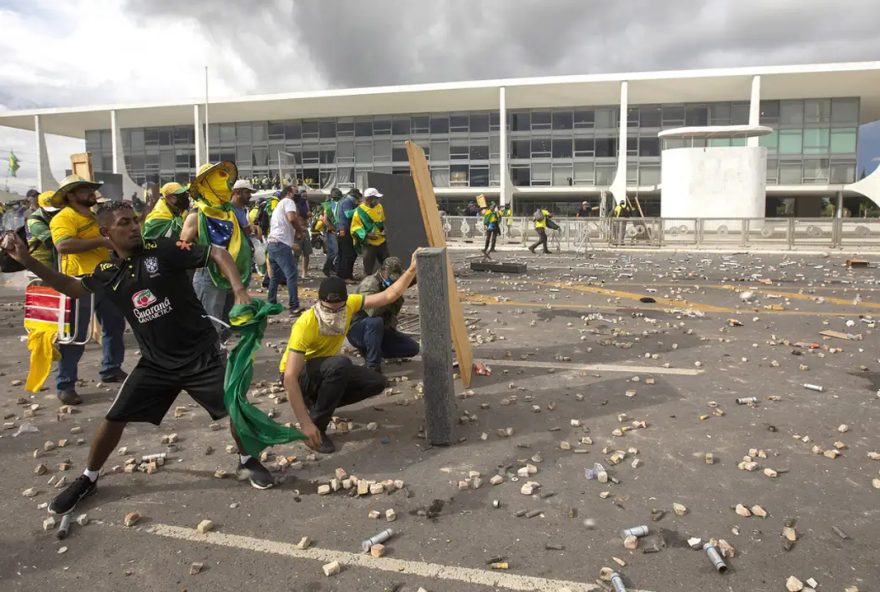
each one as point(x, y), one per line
point(439, 125)
point(439, 150)
point(562, 148)
point(479, 122)
point(540, 120)
point(817, 111)
point(400, 126)
point(520, 148)
point(791, 113)
point(563, 120)
point(790, 141)
point(816, 141)
point(844, 111)
point(843, 141)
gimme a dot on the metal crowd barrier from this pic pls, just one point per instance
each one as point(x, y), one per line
point(578, 234)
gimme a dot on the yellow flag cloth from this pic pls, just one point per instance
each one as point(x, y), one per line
point(41, 344)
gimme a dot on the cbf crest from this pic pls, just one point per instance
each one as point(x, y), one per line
point(151, 264)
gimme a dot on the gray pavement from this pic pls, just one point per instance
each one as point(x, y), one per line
point(566, 312)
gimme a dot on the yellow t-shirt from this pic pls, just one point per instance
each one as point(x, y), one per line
point(377, 214)
point(305, 338)
point(68, 223)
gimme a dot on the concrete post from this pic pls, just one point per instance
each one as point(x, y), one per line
point(129, 187)
point(618, 186)
point(755, 110)
point(440, 414)
point(502, 137)
point(45, 180)
point(201, 155)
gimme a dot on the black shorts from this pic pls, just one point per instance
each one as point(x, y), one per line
point(149, 391)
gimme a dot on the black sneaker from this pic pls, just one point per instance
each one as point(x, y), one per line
point(118, 375)
point(327, 446)
point(69, 397)
point(257, 474)
point(66, 501)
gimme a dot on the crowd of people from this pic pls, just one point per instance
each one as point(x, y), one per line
point(174, 276)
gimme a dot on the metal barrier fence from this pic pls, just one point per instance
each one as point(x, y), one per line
point(580, 234)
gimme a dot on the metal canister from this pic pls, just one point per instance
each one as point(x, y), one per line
point(636, 531)
point(746, 400)
point(715, 557)
point(375, 540)
point(63, 528)
point(815, 387)
point(617, 582)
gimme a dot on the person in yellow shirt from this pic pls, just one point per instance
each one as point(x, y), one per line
point(166, 217)
point(368, 231)
point(80, 249)
point(317, 379)
point(541, 218)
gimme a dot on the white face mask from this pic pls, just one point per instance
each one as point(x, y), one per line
point(330, 323)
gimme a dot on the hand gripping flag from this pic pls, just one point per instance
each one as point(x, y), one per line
point(255, 429)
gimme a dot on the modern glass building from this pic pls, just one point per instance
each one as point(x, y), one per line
point(546, 140)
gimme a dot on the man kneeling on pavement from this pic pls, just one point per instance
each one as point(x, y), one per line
point(317, 379)
point(374, 330)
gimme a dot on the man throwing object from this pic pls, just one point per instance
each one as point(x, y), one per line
point(180, 349)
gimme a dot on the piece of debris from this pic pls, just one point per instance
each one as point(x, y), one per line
point(205, 526)
point(131, 519)
point(792, 584)
point(679, 509)
point(331, 569)
point(196, 568)
point(377, 550)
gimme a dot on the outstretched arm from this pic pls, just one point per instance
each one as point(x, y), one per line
point(17, 249)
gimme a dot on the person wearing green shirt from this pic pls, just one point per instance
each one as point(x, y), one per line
point(166, 217)
point(331, 247)
point(39, 234)
point(492, 222)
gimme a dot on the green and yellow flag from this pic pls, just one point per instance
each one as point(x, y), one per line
point(14, 163)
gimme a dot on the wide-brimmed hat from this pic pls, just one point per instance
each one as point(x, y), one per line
point(72, 183)
point(48, 202)
point(173, 189)
point(243, 184)
point(210, 167)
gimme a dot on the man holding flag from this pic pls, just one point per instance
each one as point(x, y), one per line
point(148, 283)
point(14, 163)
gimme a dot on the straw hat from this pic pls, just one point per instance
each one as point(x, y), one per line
point(72, 183)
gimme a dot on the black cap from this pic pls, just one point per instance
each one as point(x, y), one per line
point(333, 290)
point(32, 193)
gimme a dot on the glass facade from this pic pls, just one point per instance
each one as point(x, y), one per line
point(813, 141)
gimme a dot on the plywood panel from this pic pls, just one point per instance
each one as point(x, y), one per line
point(403, 216)
point(421, 176)
point(81, 164)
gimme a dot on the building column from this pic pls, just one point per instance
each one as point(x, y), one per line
point(618, 186)
point(129, 187)
point(45, 180)
point(200, 143)
point(755, 110)
point(839, 211)
point(503, 175)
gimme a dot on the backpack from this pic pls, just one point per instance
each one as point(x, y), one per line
point(538, 215)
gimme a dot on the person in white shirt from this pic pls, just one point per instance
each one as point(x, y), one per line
point(283, 249)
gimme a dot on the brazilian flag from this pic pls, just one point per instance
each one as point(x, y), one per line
point(14, 163)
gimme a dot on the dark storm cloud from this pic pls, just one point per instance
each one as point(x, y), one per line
point(377, 42)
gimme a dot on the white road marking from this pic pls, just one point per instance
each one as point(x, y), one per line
point(422, 569)
point(595, 367)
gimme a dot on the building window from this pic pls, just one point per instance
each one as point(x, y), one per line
point(719, 114)
point(400, 126)
point(541, 174)
point(326, 129)
point(673, 115)
point(769, 112)
point(261, 157)
point(772, 171)
point(697, 115)
point(816, 141)
point(243, 133)
point(816, 170)
point(843, 141)
point(382, 127)
point(650, 117)
point(479, 152)
point(420, 124)
point(459, 152)
point(562, 148)
point(790, 173)
point(399, 155)
point(540, 149)
point(494, 146)
point(151, 135)
point(790, 141)
point(276, 130)
point(739, 113)
point(439, 125)
point(292, 130)
point(260, 133)
point(770, 142)
point(458, 175)
point(439, 150)
point(479, 123)
point(649, 174)
point(440, 176)
point(382, 150)
point(345, 151)
point(584, 146)
point(584, 173)
point(363, 153)
point(520, 175)
point(458, 123)
point(844, 111)
point(540, 120)
point(328, 156)
point(606, 118)
point(563, 120)
point(479, 176)
point(520, 148)
point(520, 122)
point(817, 111)
point(309, 130)
point(606, 147)
point(584, 119)
point(843, 172)
point(605, 173)
point(562, 175)
point(363, 129)
point(495, 121)
point(791, 113)
point(649, 146)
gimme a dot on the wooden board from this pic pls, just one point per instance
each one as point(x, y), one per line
point(499, 267)
point(421, 176)
point(81, 164)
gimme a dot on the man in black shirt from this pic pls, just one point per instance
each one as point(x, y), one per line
point(180, 350)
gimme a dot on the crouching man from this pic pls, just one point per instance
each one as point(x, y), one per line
point(180, 350)
point(374, 330)
point(318, 380)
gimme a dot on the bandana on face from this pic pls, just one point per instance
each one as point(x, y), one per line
point(330, 323)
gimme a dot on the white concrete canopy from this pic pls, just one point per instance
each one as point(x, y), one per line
point(716, 131)
point(858, 79)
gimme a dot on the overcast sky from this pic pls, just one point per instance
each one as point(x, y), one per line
point(81, 52)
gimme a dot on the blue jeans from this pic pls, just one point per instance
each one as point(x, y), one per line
point(332, 249)
point(112, 327)
point(375, 341)
point(217, 302)
point(284, 264)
